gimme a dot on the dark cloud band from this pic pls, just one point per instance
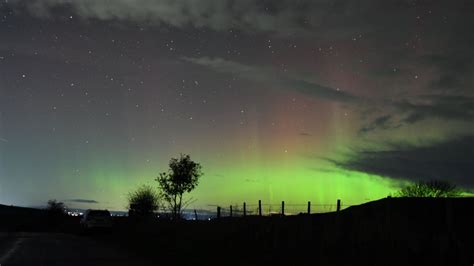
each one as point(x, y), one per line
point(450, 160)
point(262, 74)
point(89, 201)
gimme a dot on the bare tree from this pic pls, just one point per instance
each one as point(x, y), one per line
point(182, 177)
point(434, 189)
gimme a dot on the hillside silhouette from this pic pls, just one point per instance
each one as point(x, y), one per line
point(391, 231)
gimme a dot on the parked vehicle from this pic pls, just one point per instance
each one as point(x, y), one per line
point(96, 219)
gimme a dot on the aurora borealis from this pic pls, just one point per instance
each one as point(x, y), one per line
point(278, 100)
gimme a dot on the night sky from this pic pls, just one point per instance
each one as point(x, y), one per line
point(278, 100)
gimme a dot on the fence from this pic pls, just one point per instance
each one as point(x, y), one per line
point(262, 209)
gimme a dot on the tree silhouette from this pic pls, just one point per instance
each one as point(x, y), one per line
point(143, 201)
point(434, 189)
point(182, 177)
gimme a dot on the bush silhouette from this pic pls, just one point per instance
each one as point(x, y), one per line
point(143, 201)
point(433, 189)
point(183, 176)
point(56, 208)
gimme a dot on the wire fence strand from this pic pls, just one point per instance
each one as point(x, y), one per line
point(266, 209)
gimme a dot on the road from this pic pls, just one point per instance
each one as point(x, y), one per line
point(50, 249)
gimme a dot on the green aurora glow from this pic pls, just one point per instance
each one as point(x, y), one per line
point(286, 103)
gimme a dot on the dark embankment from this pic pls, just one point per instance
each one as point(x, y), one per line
point(18, 219)
point(396, 231)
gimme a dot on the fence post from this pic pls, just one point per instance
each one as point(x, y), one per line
point(259, 207)
point(245, 209)
point(195, 215)
point(218, 212)
point(230, 210)
point(338, 205)
point(309, 207)
point(283, 208)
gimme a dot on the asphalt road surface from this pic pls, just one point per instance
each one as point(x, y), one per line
point(51, 249)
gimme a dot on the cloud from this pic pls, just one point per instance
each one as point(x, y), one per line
point(381, 122)
point(438, 106)
point(83, 201)
point(3, 140)
point(267, 75)
point(393, 114)
point(338, 18)
point(450, 160)
point(455, 68)
point(215, 14)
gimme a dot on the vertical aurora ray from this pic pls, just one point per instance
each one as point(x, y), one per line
point(258, 164)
